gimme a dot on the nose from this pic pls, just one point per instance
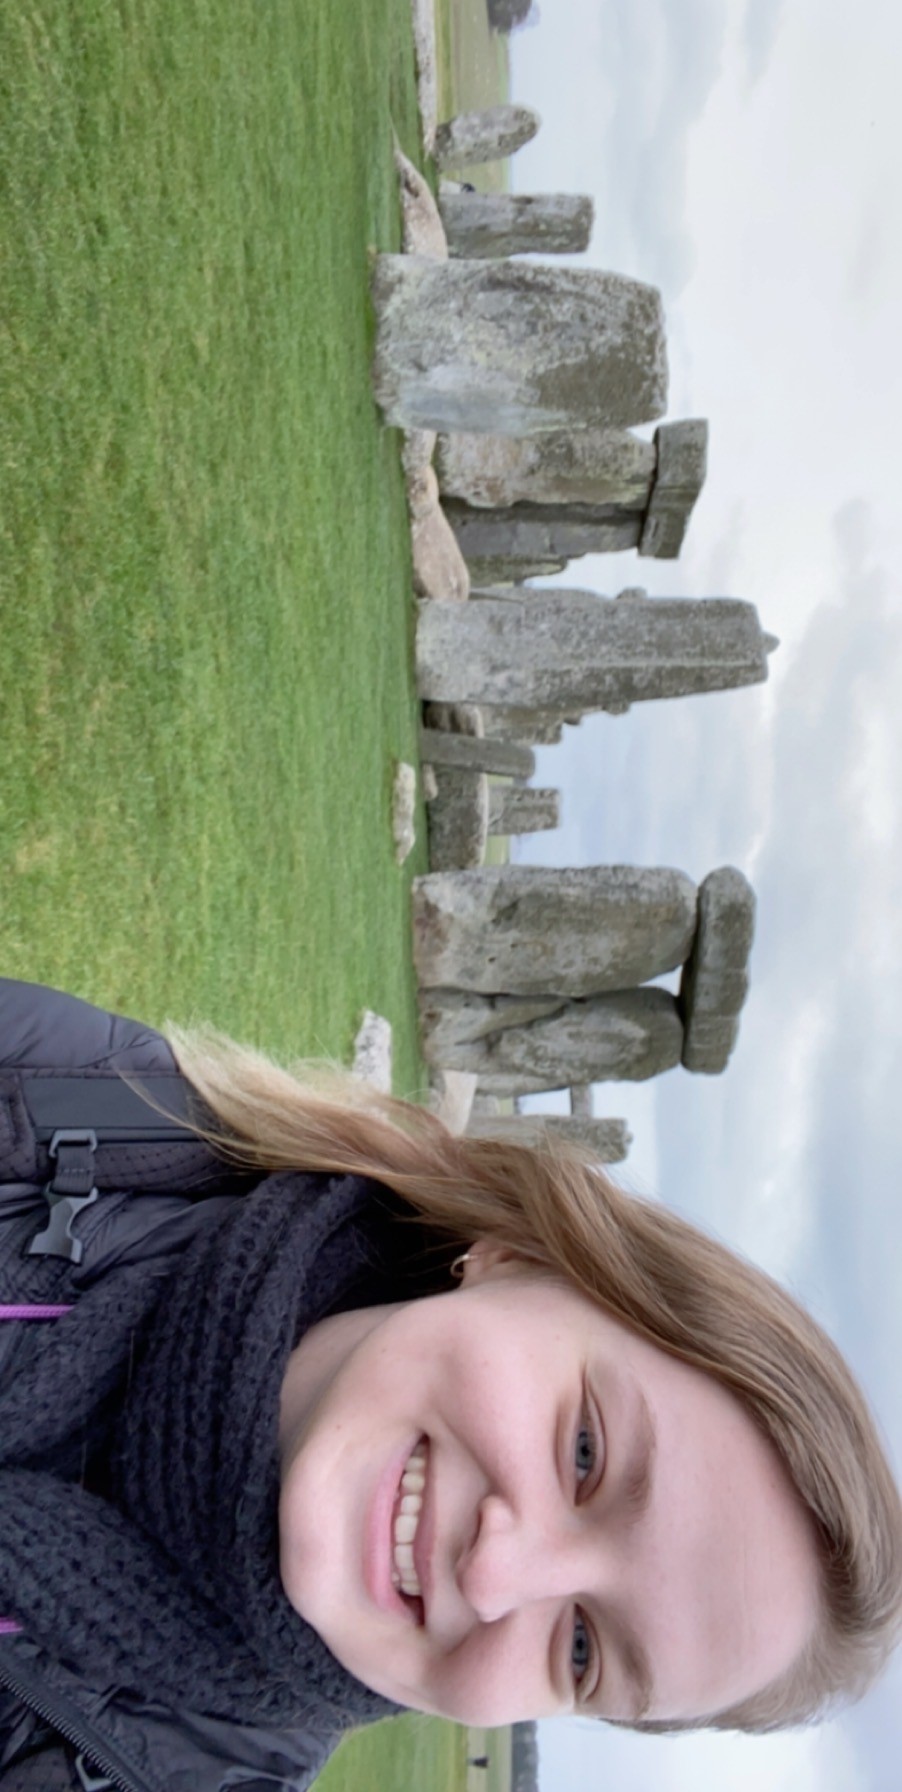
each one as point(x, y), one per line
point(514, 1560)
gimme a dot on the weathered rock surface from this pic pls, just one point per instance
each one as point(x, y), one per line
point(515, 348)
point(715, 978)
point(440, 571)
point(608, 1139)
point(485, 571)
point(506, 758)
point(373, 1051)
point(522, 809)
point(422, 230)
point(536, 532)
point(488, 136)
point(682, 462)
point(627, 1036)
point(525, 930)
point(488, 226)
point(573, 650)
point(541, 727)
point(458, 813)
point(458, 818)
point(590, 466)
point(403, 810)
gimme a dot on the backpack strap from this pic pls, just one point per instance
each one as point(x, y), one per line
point(93, 1131)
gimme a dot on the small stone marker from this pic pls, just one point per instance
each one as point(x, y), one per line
point(373, 1051)
point(402, 810)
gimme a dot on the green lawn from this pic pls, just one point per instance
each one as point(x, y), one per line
point(204, 564)
point(406, 1754)
point(205, 650)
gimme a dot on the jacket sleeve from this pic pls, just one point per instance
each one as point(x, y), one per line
point(42, 1028)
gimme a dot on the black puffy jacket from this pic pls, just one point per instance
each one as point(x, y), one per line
point(58, 1730)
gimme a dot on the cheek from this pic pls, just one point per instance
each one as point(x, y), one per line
point(499, 1675)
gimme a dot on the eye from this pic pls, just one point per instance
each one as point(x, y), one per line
point(585, 1452)
point(581, 1648)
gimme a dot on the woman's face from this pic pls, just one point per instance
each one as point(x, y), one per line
point(595, 1526)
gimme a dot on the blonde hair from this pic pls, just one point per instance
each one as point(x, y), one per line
point(688, 1293)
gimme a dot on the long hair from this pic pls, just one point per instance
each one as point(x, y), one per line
point(686, 1292)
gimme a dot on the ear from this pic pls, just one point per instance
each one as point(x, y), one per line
point(486, 1261)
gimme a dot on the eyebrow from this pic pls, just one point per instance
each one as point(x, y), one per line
point(635, 1492)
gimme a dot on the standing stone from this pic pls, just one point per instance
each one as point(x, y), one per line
point(609, 1140)
point(514, 348)
point(628, 1036)
point(715, 979)
point(458, 820)
point(573, 650)
point(507, 759)
point(588, 466)
point(373, 1051)
point(682, 462)
point(541, 727)
point(525, 930)
point(488, 226)
point(489, 136)
point(521, 809)
point(581, 1101)
point(495, 570)
point(533, 532)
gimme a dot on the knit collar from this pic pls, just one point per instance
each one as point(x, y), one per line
point(169, 1582)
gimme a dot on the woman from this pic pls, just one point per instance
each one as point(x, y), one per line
point(428, 1422)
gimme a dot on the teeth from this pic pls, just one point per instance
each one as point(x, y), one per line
point(413, 1481)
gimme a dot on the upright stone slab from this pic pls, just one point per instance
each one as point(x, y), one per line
point(514, 348)
point(533, 532)
point(489, 136)
point(507, 759)
point(573, 650)
point(540, 727)
point(623, 1037)
point(609, 1140)
point(715, 979)
point(522, 809)
point(488, 226)
point(525, 930)
point(682, 462)
point(498, 570)
point(588, 466)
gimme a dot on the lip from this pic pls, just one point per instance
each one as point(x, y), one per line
point(378, 1536)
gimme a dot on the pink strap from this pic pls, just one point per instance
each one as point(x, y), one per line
point(33, 1312)
point(8, 1626)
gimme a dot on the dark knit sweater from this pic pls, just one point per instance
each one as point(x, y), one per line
point(139, 1486)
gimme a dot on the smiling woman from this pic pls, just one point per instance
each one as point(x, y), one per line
point(277, 1468)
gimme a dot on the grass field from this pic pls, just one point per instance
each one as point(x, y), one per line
point(406, 1754)
point(204, 562)
point(206, 634)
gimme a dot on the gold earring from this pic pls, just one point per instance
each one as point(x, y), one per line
point(457, 1267)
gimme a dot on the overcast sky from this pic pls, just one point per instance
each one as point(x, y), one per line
point(746, 157)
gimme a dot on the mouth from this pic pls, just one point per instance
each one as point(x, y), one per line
point(407, 1543)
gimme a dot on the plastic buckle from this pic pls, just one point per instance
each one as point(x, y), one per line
point(57, 1238)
